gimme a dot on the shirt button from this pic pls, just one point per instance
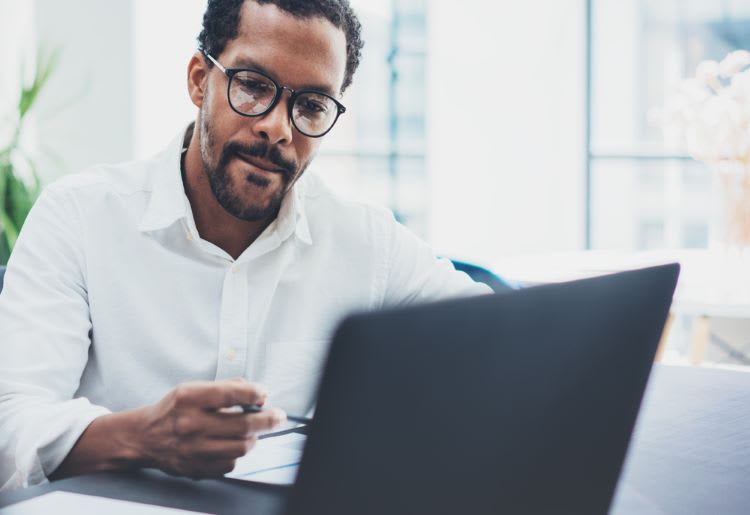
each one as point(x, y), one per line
point(189, 236)
point(231, 354)
point(235, 269)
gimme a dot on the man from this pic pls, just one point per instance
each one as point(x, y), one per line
point(144, 301)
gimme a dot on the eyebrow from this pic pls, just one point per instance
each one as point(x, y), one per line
point(247, 62)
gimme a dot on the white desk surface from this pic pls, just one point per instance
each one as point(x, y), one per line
point(712, 283)
point(690, 453)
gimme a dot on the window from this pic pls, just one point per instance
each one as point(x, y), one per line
point(378, 150)
point(642, 195)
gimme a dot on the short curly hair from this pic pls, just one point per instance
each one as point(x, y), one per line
point(222, 17)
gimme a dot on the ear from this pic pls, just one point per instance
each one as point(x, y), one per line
point(197, 78)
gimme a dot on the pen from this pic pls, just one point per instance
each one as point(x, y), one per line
point(254, 408)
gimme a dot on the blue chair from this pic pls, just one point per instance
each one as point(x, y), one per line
point(2, 273)
point(482, 275)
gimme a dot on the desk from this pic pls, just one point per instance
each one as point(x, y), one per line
point(690, 454)
point(691, 448)
point(713, 283)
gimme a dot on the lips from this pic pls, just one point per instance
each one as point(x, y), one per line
point(262, 164)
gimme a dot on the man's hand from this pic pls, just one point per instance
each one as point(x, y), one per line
point(186, 433)
point(189, 432)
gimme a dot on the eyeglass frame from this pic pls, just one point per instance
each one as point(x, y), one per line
point(294, 94)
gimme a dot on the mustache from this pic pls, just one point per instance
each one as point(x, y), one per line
point(262, 150)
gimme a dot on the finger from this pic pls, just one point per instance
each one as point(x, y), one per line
point(225, 425)
point(266, 420)
point(236, 426)
point(213, 449)
point(241, 425)
point(219, 394)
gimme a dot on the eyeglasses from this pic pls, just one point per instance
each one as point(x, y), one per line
point(253, 93)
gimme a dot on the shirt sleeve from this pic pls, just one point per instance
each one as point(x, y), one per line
point(44, 343)
point(415, 274)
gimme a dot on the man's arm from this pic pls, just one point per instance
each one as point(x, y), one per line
point(44, 345)
point(183, 434)
point(415, 274)
point(44, 316)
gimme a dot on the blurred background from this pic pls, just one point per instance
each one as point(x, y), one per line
point(515, 135)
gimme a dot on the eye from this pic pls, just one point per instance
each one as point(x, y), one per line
point(254, 86)
point(312, 107)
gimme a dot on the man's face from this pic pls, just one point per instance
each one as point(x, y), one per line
point(251, 163)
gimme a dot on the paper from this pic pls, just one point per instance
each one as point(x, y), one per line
point(273, 460)
point(66, 503)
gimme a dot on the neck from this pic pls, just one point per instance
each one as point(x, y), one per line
point(214, 224)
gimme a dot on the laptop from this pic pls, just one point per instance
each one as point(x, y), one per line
point(518, 402)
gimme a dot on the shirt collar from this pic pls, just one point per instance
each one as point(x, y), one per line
point(292, 218)
point(169, 203)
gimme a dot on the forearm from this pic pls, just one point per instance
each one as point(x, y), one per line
point(185, 433)
point(110, 442)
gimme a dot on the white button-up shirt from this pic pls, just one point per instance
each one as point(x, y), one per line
point(112, 298)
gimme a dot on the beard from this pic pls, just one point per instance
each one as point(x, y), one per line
point(225, 192)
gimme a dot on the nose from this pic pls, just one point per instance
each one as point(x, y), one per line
point(275, 126)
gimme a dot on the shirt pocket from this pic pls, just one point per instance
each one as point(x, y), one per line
point(292, 372)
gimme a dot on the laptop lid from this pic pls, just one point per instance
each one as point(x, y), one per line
point(519, 402)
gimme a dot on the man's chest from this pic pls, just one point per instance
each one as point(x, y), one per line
point(173, 318)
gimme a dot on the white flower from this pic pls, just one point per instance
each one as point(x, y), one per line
point(695, 90)
point(740, 86)
point(734, 62)
point(743, 146)
point(711, 112)
point(700, 144)
point(707, 73)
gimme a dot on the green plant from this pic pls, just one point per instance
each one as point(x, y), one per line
point(19, 191)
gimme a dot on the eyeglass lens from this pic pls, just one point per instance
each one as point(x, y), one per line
point(253, 93)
